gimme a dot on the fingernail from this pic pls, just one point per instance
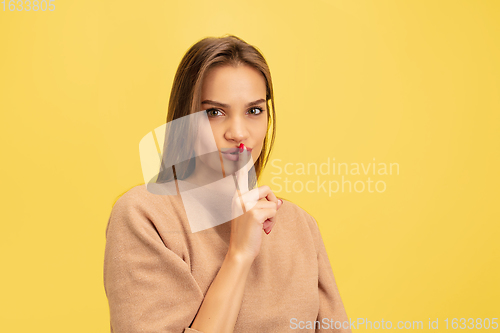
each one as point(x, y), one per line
point(281, 201)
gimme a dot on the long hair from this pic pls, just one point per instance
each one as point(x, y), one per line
point(185, 97)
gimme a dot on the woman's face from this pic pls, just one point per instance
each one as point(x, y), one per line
point(235, 100)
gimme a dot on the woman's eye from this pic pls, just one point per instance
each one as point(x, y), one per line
point(259, 111)
point(211, 112)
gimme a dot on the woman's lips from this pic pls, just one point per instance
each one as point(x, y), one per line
point(230, 150)
point(231, 157)
point(232, 154)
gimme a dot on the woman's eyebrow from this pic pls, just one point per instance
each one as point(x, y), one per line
point(222, 105)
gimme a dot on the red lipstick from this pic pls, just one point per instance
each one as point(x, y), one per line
point(242, 147)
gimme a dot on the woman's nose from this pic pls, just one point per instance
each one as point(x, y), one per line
point(237, 130)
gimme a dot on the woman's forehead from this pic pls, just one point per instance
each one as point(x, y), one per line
point(229, 81)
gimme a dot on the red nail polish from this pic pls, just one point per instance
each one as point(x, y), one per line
point(242, 147)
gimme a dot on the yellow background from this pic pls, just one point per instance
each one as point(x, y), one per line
point(410, 82)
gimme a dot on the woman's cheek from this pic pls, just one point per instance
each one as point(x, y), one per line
point(256, 154)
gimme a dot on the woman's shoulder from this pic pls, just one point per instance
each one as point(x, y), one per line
point(142, 196)
point(303, 223)
point(140, 212)
point(292, 211)
point(139, 204)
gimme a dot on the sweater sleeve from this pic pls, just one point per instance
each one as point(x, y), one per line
point(330, 303)
point(149, 287)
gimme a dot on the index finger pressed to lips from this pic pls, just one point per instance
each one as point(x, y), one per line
point(242, 172)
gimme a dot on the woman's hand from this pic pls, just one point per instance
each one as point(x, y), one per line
point(261, 206)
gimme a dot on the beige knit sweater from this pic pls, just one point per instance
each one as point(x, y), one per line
point(156, 272)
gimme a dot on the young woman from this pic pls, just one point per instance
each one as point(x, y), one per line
point(159, 276)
